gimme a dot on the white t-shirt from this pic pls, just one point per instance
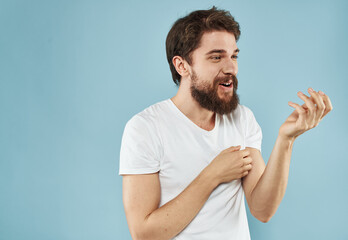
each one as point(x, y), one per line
point(162, 139)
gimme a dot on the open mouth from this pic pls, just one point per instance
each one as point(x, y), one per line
point(226, 84)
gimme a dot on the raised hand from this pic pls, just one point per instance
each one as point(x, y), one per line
point(308, 115)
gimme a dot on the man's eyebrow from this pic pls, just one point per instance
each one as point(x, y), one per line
point(220, 51)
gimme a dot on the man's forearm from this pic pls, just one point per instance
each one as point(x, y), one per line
point(270, 189)
point(170, 219)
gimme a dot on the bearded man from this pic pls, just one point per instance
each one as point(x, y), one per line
point(188, 162)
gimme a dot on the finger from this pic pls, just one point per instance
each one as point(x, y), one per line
point(245, 173)
point(301, 113)
point(232, 149)
point(247, 167)
point(310, 105)
point(327, 102)
point(305, 106)
point(320, 108)
point(247, 160)
point(245, 153)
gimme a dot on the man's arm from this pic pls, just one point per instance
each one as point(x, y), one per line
point(141, 196)
point(147, 221)
point(265, 187)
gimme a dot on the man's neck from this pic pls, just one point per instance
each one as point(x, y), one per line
point(200, 116)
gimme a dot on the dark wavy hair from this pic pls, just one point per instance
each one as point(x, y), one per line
point(185, 35)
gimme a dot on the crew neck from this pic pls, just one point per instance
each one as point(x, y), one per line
point(190, 122)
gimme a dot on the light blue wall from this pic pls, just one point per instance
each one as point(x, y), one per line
point(73, 72)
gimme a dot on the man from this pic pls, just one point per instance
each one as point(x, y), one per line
point(187, 162)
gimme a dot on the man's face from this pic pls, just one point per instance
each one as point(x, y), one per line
point(213, 72)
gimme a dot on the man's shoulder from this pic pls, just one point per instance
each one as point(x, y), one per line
point(150, 115)
point(246, 110)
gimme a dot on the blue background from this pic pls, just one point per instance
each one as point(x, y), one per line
point(72, 73)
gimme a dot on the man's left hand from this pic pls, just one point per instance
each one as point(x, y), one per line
point(307, 116)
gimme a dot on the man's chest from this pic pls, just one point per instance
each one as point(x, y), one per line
point(186, 154)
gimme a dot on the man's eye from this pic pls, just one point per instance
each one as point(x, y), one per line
point(216, 57)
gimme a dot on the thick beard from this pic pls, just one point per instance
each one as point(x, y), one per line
point(208, 98)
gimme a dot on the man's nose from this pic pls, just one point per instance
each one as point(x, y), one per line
point(231, 67)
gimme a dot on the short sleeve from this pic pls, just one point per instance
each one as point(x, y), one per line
point(253, 137)
point(140, 147)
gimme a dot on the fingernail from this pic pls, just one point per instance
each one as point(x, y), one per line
point(320, 92)
point(311, 89)
point(299, 92)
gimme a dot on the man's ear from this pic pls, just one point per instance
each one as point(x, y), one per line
point(181, 66)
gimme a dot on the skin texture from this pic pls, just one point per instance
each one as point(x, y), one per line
point(264, 186)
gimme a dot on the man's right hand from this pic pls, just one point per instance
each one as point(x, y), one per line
point(232, 163)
